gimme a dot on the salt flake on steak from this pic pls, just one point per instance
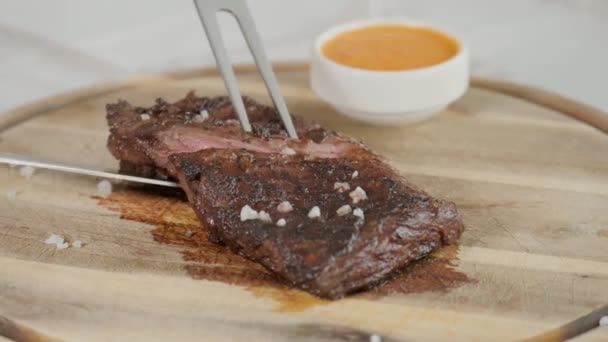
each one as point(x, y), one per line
point(344, 210)
point(281, 222)
point(247, 213)
point(264, 216)
point(358, 195)
point(284, 207)
point(315, 212)
point(359, 213)
point(341, 186)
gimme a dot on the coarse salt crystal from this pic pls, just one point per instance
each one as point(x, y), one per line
point(104, 187)
point(344, 210)
point(145, 116)
point(53, 239)
point(406, 233)
point(63, 245)
point(26, 171)
point(355, 174)
point(201, 117)
point(604, 321)
point(281, 222)
point(375, 338)
point(77, 244)
point(248, 214)
point(315, 212)
point(188, 233)
point(359, 213)
point(341, 186)
point(288, 151)
point(358, 195)
point(264, 216)
point(284, 207)
point(11, 194)
point(57, 240)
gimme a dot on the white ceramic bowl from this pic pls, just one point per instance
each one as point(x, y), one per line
point(388, 97)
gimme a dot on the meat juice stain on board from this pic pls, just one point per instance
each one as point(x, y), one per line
point(435, 273)
point(175, 223)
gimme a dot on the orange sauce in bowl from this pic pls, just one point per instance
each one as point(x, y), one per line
point(390, 47)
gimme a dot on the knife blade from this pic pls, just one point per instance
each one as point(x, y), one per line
point(12, 159)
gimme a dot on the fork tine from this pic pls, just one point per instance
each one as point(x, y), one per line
point(256, 47)
point(207, 11)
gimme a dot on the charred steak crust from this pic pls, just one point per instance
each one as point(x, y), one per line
point(222, 170)
point(328, 256)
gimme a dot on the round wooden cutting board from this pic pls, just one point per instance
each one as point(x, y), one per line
point(532, 185)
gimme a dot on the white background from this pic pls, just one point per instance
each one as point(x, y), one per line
point(48, 47)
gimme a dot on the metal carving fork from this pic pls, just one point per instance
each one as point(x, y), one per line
point(207, 10)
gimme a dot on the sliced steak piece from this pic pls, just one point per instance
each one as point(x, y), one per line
point(331, 255)
point(370, 221)
point(143, 138)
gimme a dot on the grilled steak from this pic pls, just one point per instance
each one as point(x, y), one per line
point(324, 212)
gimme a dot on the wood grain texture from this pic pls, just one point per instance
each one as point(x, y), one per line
point(532, 184)
point(580, 111)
